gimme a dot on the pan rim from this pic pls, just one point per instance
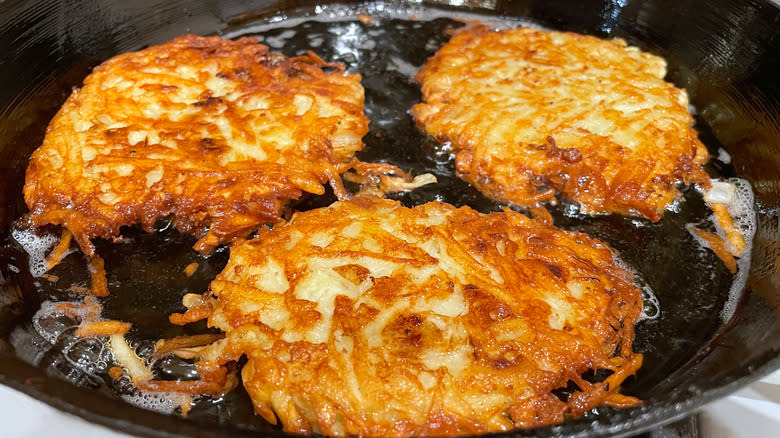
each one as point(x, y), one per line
point(656, 413)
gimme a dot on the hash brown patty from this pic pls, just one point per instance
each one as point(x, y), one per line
point(373, 319)
point(532, 112)
point(218, 134)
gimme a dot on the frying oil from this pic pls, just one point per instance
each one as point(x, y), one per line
point(353, 43)
point(35, 245)
point(93, 356)
point(373, 10)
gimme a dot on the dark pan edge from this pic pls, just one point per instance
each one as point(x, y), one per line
point(102, 409)
point(62, 395)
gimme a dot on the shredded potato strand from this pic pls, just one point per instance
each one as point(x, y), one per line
point(130, 361)
point(58, 253)
point(103, 328)
point(733, 236)
point(718, 246)
point(166, 346)
point(97, 271)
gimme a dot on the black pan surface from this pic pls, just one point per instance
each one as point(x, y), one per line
point(724, 55)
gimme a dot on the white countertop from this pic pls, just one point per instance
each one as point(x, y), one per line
point(753, 412)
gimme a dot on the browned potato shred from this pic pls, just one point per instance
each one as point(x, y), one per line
point(179, 343)
point(718, 246)
point(58, 253)
point(190, 269)
point(103, 328)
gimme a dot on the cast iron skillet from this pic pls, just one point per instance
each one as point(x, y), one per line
point(725, 53)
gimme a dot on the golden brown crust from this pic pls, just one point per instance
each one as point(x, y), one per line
point(373, 319)
point(531, 112)
point(218, 134)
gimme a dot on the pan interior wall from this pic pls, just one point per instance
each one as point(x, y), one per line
point(145, 271)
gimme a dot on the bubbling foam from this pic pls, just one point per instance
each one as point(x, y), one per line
point(737, 195)
point(163, 403)
point(742, 208)
point(651, 306)
point(46, 323)
point(742, 212)
point(93, 355)
point(35, 245)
